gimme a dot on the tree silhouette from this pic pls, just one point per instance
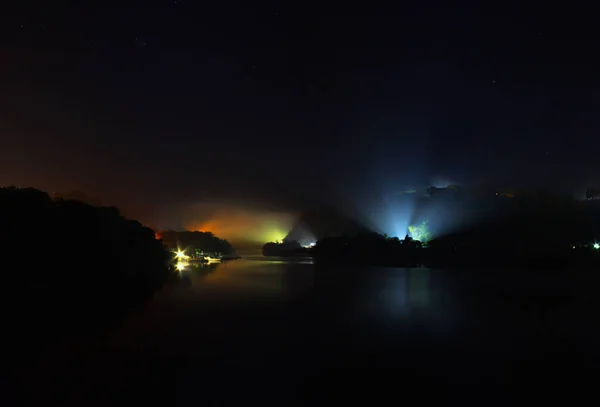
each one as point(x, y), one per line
point(68, 259)
point(196, 241)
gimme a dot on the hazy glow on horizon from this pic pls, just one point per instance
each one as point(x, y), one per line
point(392, 215)
point(241, 226)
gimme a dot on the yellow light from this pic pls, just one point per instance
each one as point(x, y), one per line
point(180, 254)
point(180, 266)
point(273, 235)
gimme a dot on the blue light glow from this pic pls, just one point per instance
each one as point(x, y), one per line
point(393, 214)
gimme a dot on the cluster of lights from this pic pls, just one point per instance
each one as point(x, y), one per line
point(595, 246)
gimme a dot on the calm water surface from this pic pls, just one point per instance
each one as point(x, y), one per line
point(446, 327)
point(297, 303)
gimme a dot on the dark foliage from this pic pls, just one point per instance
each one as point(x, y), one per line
point(534, 230)
point(204, 241)
point(69, 266)
point(369, 248)
point(285, 248)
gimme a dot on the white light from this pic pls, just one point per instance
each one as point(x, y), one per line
point(180, 254)
point(596, 246)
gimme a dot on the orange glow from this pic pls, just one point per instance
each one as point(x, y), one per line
point(245, 225)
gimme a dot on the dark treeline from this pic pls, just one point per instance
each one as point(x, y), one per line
point(204, 241)
point(285, 248)
point(72, 267)
point(534, 230)
point(370, 248)
point(555, 235)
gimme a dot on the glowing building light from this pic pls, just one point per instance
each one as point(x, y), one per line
point(180, 254)
point(596, 246)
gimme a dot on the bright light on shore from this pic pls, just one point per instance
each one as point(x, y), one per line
point(596, 246)
point(180, 254)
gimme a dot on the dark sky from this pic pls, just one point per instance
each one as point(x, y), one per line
point(156, 105)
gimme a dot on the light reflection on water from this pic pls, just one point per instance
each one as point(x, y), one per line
point(281, 260)
point(406, 290)
point(463, 329)
point(256, 277)
point(388, 290)
point(497, 310)
point(350, 293)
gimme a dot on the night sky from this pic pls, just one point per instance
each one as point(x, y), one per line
point(179, 110)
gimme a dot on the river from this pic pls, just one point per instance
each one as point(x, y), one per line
point(258, 329)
